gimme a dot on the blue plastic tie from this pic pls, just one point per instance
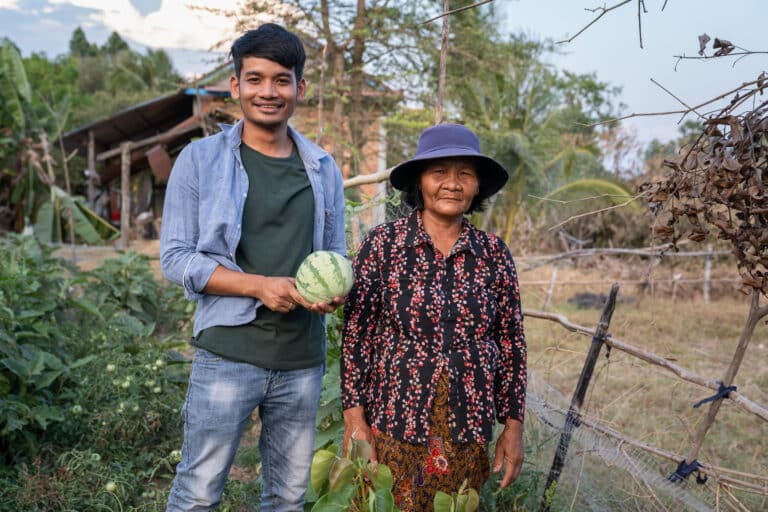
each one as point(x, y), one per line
point(684, 470)
point(722, 392)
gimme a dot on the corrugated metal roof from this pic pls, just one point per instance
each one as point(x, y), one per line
point(137, 122)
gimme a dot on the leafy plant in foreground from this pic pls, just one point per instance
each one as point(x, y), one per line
point(351, 483)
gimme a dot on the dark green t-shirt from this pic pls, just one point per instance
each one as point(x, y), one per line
point(277, 230)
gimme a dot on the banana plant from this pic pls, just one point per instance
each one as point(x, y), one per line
point(351, 483)
point(52, 221)
point(465, 500)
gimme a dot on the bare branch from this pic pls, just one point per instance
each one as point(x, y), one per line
point(612, 207)
point(670, 112)
point(732, 54)
point(446, 13)
point(603, 12)
point(690, 109)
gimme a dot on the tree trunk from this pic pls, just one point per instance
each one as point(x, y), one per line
point(356, 117)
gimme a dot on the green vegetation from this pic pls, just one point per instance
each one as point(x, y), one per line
point(91, 381)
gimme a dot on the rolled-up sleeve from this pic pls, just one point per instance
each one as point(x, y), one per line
point(180, 261)
point(339, 242)
point(361, 318)
point(511, 377)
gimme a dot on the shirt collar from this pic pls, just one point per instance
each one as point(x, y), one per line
point(468, 240)
point(310, 153)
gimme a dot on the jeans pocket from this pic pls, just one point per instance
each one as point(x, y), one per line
point(203, 356)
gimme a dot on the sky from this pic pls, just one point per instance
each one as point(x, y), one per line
point(609, 48)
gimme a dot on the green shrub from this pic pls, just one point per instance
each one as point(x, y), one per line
point(91, 383)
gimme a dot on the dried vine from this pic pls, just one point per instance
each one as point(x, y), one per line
point(718, 185)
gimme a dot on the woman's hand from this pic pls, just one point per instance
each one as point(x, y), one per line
point(509, 452)
point(355, 427)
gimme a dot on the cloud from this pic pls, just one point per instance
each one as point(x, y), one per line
point(174, 25)
point(10, 4)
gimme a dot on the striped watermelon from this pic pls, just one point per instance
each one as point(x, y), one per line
point(324, 275)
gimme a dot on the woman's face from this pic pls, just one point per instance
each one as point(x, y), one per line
point(448, 186)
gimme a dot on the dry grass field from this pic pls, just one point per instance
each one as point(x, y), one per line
point(644, 401)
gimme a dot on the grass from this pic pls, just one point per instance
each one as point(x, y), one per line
point(644, 401)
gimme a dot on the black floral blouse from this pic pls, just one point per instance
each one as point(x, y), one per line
point(413, 314)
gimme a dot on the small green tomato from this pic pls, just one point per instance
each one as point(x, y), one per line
point(157, 390)
point(111, 367)
point(110, 487)
point(76, 409)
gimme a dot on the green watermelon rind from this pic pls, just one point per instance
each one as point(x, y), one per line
point(314, 286)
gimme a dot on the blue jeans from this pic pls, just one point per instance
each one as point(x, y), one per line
point(221, 398)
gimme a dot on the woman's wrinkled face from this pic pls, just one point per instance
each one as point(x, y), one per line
point(449, 185)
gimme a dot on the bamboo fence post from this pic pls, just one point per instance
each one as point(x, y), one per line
point(572, 419)
point(125, 194)
point(754, 316)
point(707, 273)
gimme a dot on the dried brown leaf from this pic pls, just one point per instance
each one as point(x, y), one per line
point(731, 164)
point(724, 47)
point(703, 40)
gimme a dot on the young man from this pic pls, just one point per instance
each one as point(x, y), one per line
point(243, 208)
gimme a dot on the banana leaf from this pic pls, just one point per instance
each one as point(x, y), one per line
point(14, 86)
point(52, 224)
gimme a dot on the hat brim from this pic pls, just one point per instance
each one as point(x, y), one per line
point(493, 176)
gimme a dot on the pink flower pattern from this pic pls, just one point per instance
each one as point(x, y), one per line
point(413, 314)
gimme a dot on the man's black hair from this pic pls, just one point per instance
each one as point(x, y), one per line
point(411, 195)
point(273, 42)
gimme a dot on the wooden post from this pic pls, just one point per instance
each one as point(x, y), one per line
point(574, 411)
point(707, 273)
point(70, 208)
point(551, 289)
point(125, 194)
point(443, 61)
point(91, 168)
point(754, 316)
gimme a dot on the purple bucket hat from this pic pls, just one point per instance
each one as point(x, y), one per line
point(451, 140)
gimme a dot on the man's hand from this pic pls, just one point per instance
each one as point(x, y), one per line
point(355, 427)
point(279, 293)
point(509, 452)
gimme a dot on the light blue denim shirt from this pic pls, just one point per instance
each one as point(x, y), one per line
point(202, 216)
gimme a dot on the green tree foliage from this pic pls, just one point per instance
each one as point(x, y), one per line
point(115, 44)
point(530, 116)
point(114, 76)
point(79, 45)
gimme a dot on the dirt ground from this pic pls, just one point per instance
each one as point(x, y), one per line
point(88, 257)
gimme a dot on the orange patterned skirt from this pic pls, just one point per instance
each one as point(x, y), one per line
point(420, 471)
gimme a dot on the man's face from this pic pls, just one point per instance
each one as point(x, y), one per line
point(268, 92)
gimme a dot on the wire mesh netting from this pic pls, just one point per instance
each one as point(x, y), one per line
point(602, 472)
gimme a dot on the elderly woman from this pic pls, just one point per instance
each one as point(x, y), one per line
point(433, 347)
